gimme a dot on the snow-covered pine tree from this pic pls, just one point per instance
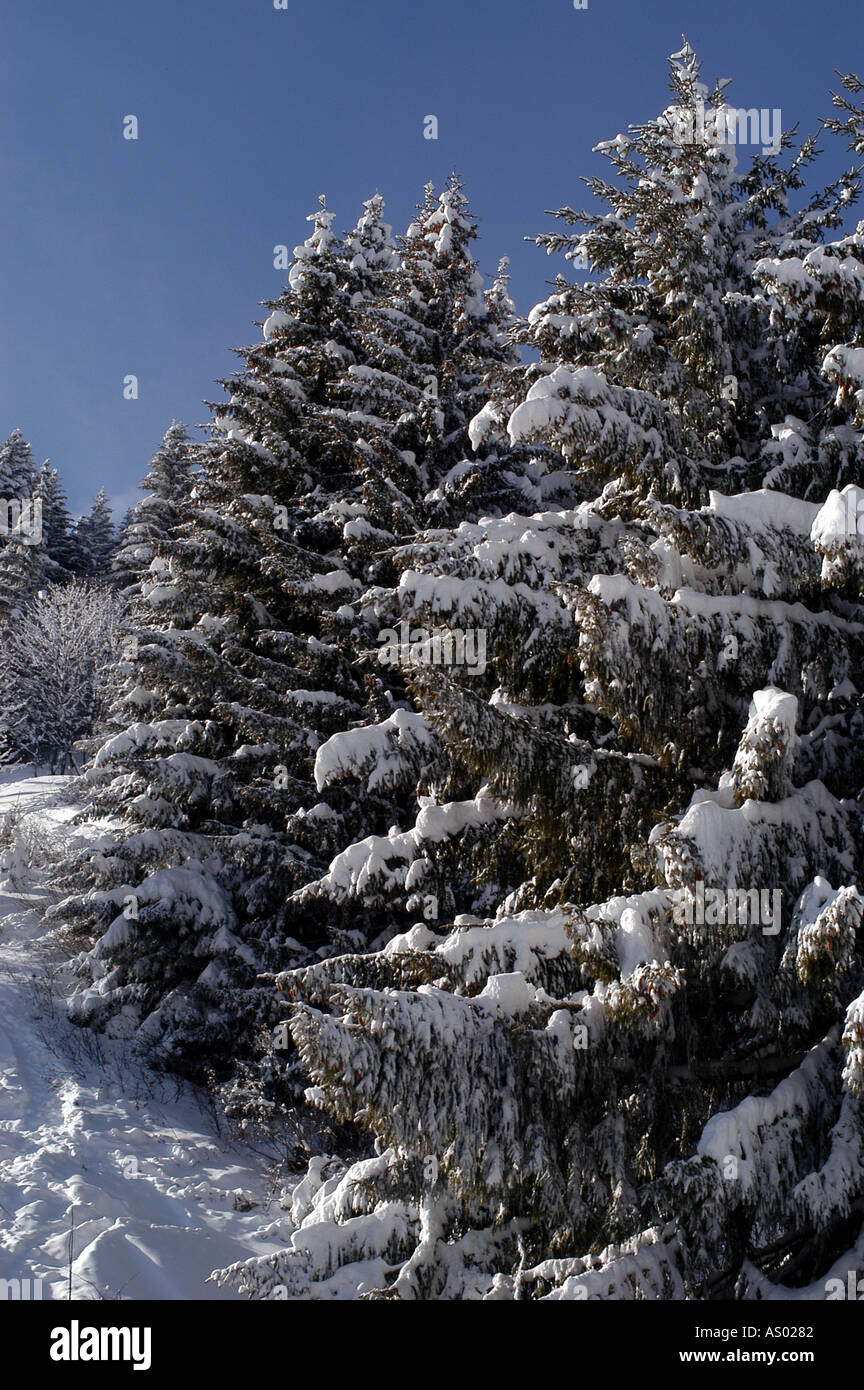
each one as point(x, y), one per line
point(495, 475)
point(21, 573)
point(658, 1094)
point(21, 554)
point(17, 469)
point(529, 584)
point(436, 346)
point(95, 538)
point(57, 541)
point(250, 661)
point(151, 524)
point(427, 342)
point(225, 684)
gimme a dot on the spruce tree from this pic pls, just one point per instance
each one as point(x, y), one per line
point(17, 469)
point(248, 661)
point(225, 682)
point(432, 342)
point(21, 553)
point(631, 1066)
point(530, 584)
point(95, 538)
point(21, 573)
point(57, 541)
point(150, 525)
point(428, 341)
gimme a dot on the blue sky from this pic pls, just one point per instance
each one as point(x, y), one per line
point(151, 256)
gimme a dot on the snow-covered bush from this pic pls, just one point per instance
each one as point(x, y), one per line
point(58, 674)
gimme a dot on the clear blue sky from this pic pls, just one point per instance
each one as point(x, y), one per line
point(150, 256)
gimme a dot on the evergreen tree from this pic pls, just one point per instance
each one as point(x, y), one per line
point(531, 585)
point(227, 670)
point(17, 469)
point(21, 573)
point(426, 341)
point(95, 538)
point(149, 527)
point(21, 561)
point(631, 1067)
point(249, 661)
point(57, 540)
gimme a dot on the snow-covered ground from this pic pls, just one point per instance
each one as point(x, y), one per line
point(90, 1138)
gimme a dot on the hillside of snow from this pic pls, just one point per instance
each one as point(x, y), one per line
point(94, 1148)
